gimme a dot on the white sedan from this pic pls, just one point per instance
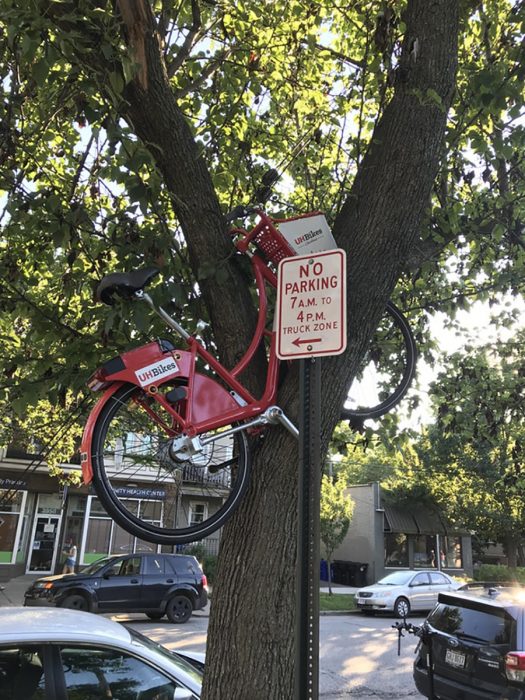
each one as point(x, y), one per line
point(403, 591)
point(58, 654)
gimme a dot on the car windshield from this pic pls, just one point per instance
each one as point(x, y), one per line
point(97, 565)
point(143, 641)
point(397, 578)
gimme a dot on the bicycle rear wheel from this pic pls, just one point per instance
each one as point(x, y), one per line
point(152, 494)
point(387, 370)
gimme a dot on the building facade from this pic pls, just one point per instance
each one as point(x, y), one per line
point(386, 538)
point(38, 515)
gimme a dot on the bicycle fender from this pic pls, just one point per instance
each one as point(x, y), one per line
point(85, 445)
point(144, 366)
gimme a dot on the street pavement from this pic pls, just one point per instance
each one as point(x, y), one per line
point(357, 656)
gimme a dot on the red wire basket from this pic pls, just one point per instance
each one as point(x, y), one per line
point(272, 244)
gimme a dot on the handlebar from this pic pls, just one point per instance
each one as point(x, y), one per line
point(239, 212)
point(262, 195)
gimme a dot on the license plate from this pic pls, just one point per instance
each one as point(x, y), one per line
point(454, 658)
point(364, 601)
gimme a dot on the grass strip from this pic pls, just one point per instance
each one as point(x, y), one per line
point(337, 601)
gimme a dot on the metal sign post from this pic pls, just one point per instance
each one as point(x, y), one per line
point(310, 324)
point(307, 581)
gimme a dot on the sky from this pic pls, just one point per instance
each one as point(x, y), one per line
point(474, 328)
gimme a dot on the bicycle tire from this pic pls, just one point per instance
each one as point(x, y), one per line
point(358, 415)
point(122, 413)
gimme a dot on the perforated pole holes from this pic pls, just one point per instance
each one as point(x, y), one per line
point(307, 623)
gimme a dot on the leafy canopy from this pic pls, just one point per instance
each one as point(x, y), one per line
point(81, 196)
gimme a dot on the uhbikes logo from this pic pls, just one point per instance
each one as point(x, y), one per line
point(308, 236)
point(158, 370)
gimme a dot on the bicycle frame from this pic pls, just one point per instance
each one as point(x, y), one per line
point(206, 404)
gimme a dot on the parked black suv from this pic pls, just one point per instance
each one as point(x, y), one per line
point(155, 584)
point(473, 646)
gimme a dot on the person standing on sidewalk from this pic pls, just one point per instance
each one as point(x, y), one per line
point(70, 550)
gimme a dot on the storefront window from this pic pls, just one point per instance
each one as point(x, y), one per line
point(121, 542)
point(151, 510)
point(49, 504)
point(451, 554)
point(10, 511)
point(96, 508)
point(425, 551)
point(25, 533)
point(106, 537)
point(396, 549)
point(142, 546)
point(98, 538)
point(75, 516)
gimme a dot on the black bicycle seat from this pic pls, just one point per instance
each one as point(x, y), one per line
point(125, 284)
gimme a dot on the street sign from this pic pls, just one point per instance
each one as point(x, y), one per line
point(311, 305)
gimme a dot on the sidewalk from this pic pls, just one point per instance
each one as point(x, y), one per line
point(338, 588)
point(12, 593)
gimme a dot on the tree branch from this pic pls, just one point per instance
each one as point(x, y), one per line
point(190, 39)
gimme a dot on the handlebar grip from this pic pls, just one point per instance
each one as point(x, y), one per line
point(239, 212)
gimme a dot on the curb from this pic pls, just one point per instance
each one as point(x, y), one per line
point(338, 612)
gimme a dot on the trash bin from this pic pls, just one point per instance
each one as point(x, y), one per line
point(349, 570)
point(350, 573)
point(338, 571)
point(324, 570)
point(360, 576)
point(343, 572)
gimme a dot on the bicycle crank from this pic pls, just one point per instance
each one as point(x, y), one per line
point(184, 447)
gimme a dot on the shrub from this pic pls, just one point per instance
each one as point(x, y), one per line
point(207, 561)
point(209, 566)
point(498, 572)
point(196, 550)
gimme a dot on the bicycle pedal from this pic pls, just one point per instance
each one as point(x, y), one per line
point(177, 394)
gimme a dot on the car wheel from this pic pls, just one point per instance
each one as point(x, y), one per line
point(401, 607)
point(179, 609)
point(75, 602)
point(155, 616)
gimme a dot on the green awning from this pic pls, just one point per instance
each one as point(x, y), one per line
point(398, 520)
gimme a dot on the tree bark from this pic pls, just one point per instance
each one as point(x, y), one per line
point(511, 549)
point(151, 108)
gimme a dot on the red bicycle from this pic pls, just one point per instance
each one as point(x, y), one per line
point(166, 445)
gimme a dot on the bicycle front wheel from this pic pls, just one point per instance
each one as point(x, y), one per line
point(387, 370)
point(153, 492)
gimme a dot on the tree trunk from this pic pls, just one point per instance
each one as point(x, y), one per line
point(329, 562)
point(251, 642)
point(511, 548)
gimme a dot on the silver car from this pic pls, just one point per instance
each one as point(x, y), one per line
point(49, 653)
point(403, 591)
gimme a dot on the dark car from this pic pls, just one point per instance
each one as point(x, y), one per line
point(155, 584)
point(473, 646)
